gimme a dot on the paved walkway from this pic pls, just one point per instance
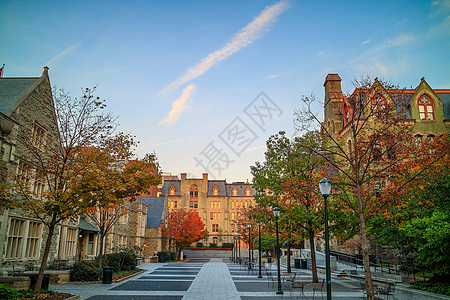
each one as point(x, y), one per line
point(203, 279)
point(213, 279)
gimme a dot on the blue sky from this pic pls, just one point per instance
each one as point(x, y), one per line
point(181, 75)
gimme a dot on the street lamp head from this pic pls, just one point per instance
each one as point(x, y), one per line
point(325, 187)
point(249, 225)
point(259, 223)
point(276, 212)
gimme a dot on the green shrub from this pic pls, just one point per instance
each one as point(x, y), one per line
point(125, 260)
point(86, 271)
point(168, 255)
point(227, 245)
point(7, 292)
point(212, 245)
point(199, 244)
point(434, 285)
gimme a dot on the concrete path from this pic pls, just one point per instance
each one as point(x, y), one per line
point(204, 279)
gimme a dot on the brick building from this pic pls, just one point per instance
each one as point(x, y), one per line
point(217, 202)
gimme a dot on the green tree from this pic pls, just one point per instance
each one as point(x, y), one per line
point(288, 179)
point(267, 243)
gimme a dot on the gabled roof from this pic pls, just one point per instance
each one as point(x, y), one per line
point(12, 89)
point(220, 184)
point(241, 187)
point(167, 184)
point(155, 210)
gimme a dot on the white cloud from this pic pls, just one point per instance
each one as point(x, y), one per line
point(178, 106)
point(272, 76)
point(365, 42)
point(241, 39)
point(55, 60)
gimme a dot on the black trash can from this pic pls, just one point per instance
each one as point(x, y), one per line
point(162, 259)
point(269, 260)
point(297, 263)
point(107, 275)
point(45, 281)
point(303, 263)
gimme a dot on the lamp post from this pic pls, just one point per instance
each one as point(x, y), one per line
point(325, 188)
point(276, 213)
point(259, 248)
point(249, 225)
point(239, 246)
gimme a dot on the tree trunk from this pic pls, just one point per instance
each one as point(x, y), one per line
point(48, 243)
point(100, 252)
point(312, 246)
point(289, 257)
point(364, 245)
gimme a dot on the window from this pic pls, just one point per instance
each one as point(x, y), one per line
point(378, 107)
point(233, 216)
point(248, 192)
point(193, 195)
point(232, 204)
point(71, 240)
point(24, 173)
point(215, 240)
point(349, 145)
point(15, 239)
point(38, 184)
point(234, 192)
point(219, 204)
point(232, 227)
point(215, 227)
point(172, 191)
point(39, 134)
point(211, 216)
point(90, 250)
point(215, 191)
point(215, 216)
point(218, 215)
point(34, 234)
point(426, 109)
point(242, 204)
point(175, 204)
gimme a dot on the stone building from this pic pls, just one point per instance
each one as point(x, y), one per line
point(217, 202)
point(26, 107)
point(426, 109)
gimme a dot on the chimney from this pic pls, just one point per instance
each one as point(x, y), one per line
point(183, 176)
point(205, 176)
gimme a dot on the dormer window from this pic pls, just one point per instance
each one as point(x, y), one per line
point(426, 108)
point(248, 192)
point(215, 191)
point(234, 192)
point(378, 107)
point(172, 191)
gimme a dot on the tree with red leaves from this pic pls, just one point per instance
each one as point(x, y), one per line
point(184, 227)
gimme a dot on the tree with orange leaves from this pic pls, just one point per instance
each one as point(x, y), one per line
point(184, 227)
point(288, 180)
point(372, 150)
point(110, 186)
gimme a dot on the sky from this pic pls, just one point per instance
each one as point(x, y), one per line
point(204, 84)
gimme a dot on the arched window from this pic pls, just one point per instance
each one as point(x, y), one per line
point(215, 191)
point(349, 144)
point(248, 192)
point(172, 191)
point(426, 108)
point(232, 204)
point(232, 216)
point(234, 192)
point(378, 107)
point(193, 196)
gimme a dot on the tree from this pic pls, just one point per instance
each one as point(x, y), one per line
point(82, 123)
point(184, 227)
point(110, 186)
point(288, 180)
point(267, 243)
point(370, 151)
point(419, 224)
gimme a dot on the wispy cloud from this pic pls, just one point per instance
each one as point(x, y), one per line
point(178, 106)
point(366, 42)
point(241, 39)
point(55, 60)
point(167, 143)
point(272, 76)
